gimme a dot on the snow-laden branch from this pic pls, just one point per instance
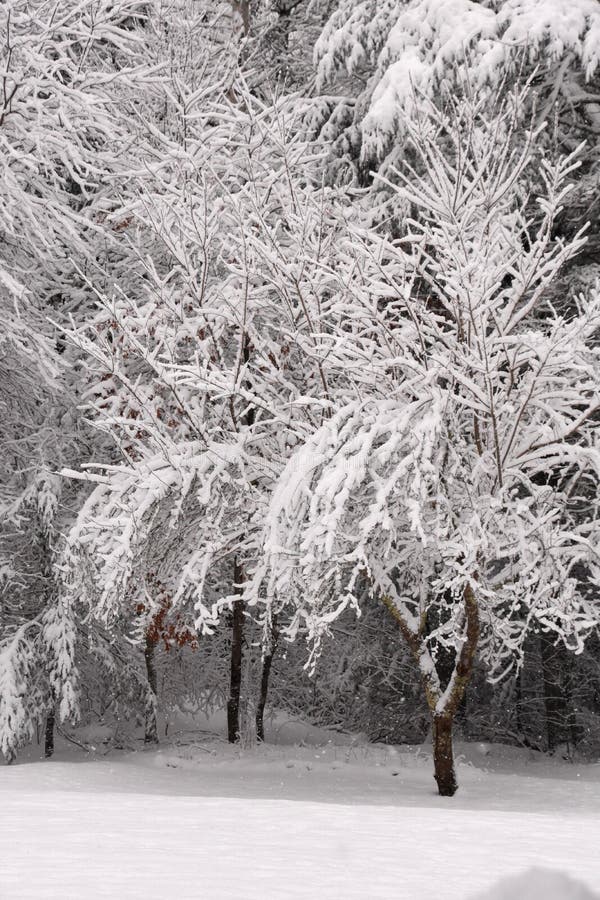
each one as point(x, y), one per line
point(457, 479)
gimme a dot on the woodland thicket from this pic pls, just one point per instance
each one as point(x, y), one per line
point(300, 368)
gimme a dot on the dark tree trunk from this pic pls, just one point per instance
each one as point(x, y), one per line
point(237, 643)
point(443, 757)
point(264, 686)
point(151, 724)
point(573, 727)
point(561, 726)
point(49, 734)
point(443, 708)
point(551, 698)
point(554, 701)
point(237, 623)
point(519, 718)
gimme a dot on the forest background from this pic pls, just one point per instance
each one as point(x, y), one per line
point(299, 368)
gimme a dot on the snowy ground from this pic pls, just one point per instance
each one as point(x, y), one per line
point(339, 819)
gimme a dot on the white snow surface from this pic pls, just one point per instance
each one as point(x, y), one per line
point(539, 884)
point(333, 817)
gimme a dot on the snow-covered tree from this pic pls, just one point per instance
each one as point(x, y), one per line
point(35, 634)
point(377, 59)
point(65, 66)
point(204, 364)
point(455, 484)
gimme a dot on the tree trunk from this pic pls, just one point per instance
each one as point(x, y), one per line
point(151, 724)
point(264, 686)
point(554, 701)
point(237, 642)
point(49, 734)
point(573, 727)
point(445, 658)
point(519, 719)
point(443, 704)
point(237, 624)
point(561, 726)
point(443, 757)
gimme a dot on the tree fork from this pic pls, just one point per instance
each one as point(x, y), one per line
point(442, 719)
point(443, 755)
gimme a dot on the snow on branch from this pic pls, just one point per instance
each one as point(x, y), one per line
point(411, 50)
point(464, 478)
point(18, 659)
point(136, 519)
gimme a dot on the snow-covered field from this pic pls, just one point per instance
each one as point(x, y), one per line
point(339, 819)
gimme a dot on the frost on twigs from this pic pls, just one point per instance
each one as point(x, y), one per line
point(139, 518)
point(456, 486)
point(467, 466)
point(399, 53)
point(66, 68)
point(17, 655)
point(204, 369)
